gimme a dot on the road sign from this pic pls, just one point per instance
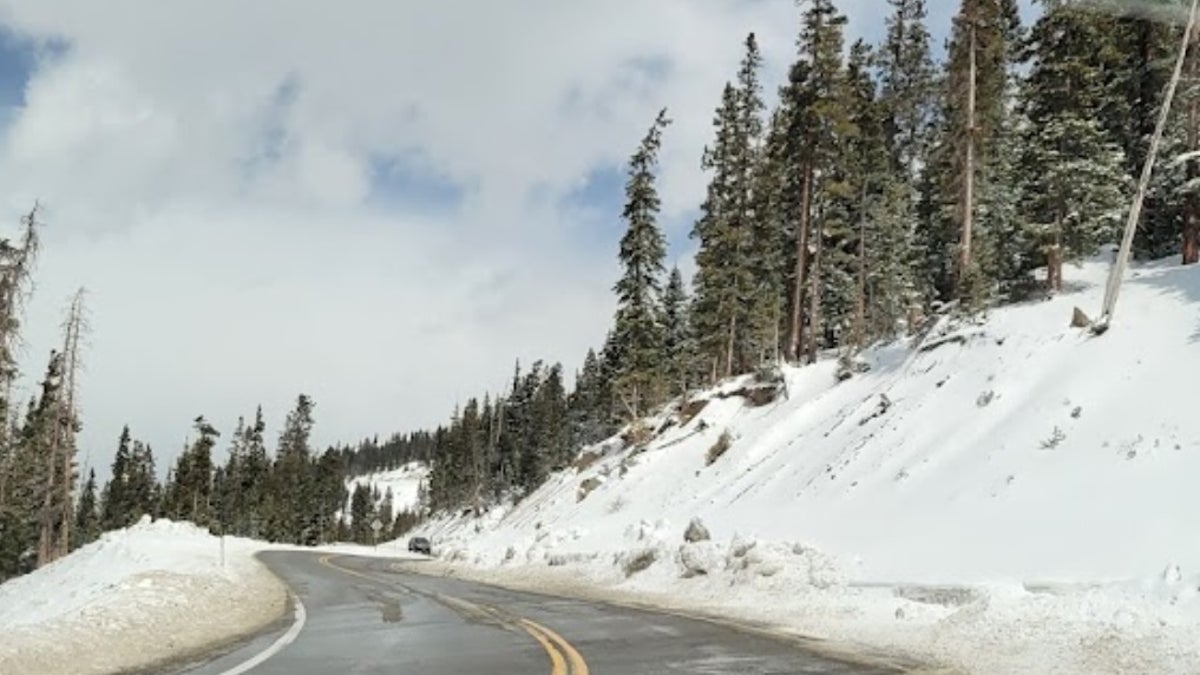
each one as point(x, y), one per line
point(376, 525)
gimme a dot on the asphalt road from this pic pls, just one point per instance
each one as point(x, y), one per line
point(363, 615)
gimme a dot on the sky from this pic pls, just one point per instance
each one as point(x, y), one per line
point(379, 203)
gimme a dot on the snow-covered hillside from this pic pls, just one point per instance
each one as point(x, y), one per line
point(404, 482)
point(1014, 450)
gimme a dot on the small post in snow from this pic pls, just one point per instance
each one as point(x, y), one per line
point(376, 526)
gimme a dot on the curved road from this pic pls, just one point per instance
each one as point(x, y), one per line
point(363, 615)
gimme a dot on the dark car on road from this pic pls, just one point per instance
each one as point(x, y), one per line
point(419, 545)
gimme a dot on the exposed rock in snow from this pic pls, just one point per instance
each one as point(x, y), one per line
point(696, 531)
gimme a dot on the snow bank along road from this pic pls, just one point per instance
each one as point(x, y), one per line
point(368, 615)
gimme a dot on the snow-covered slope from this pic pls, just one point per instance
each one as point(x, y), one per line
point(93, 611)
point(1013, 449)
point(404, 482)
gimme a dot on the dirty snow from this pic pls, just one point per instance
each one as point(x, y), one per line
point(1008, 495)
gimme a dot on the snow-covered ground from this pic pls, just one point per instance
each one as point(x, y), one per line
point(152, 592)
point(137, 596)
point(404, 482)
point(1011, 495)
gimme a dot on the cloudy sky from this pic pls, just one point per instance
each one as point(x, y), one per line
point(380, 203)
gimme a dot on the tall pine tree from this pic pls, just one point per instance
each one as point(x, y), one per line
point(643, 248)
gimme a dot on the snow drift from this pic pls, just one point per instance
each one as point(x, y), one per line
point(154, 591)
point(998, 495)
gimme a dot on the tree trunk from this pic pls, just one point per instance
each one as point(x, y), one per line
point(814, 292)
point(1191, 207)
point(1054, 258)
point(46, 532)
point(968, 205)
point(729, 340)
point(796, 336)
point(860, 302)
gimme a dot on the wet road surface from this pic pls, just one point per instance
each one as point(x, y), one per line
point(365, 615)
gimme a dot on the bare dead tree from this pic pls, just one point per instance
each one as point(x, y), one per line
point(16, 265)
point(75, 327)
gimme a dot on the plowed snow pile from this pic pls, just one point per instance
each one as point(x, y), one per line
point(1008, 495)
point(151, 592)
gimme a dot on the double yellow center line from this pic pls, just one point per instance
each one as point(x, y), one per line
point(564, 659)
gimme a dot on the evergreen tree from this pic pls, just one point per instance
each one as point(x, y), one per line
point(255, 474)
point(87, 515)
point(190, 495)
point(141, 484)
point(116, 507)
point(907, 79)
point(736, 316)
point(820, 127)
point(330, 494)
point(291, 484)
point(759, 272)
point(982, 49)
point(677, 344)
point(716, 298)
point(908, 104)
point(360, 514)
point(639, 333)
point(550, 415)
point(1073, 194)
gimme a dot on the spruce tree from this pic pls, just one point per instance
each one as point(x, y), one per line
point(87, 515)
point(908, 104)
point(980, 55)
point(758, 272)
point(360, 514)
point(116, 508)
point(1072, 197)
point(141, 485)
point(907, 86)
point(255, 474)
point(816, 99)
point(190, 494)
point(291, 484)
point(643, 248)
point(719, 258)
point(677, 343)
point(737, 282)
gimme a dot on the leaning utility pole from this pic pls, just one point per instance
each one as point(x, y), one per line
point(1113, 289)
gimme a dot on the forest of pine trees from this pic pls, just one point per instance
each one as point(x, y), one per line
point(884, 187)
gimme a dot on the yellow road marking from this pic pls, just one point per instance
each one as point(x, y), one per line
point(555, 645)
point(578, 666)
point(558, 666)
point(324, 560)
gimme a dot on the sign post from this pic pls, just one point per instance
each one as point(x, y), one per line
point(376, 526)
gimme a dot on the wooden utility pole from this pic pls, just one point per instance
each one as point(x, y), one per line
point(1113, 288)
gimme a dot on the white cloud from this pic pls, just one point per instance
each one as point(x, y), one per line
point(226, 231)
